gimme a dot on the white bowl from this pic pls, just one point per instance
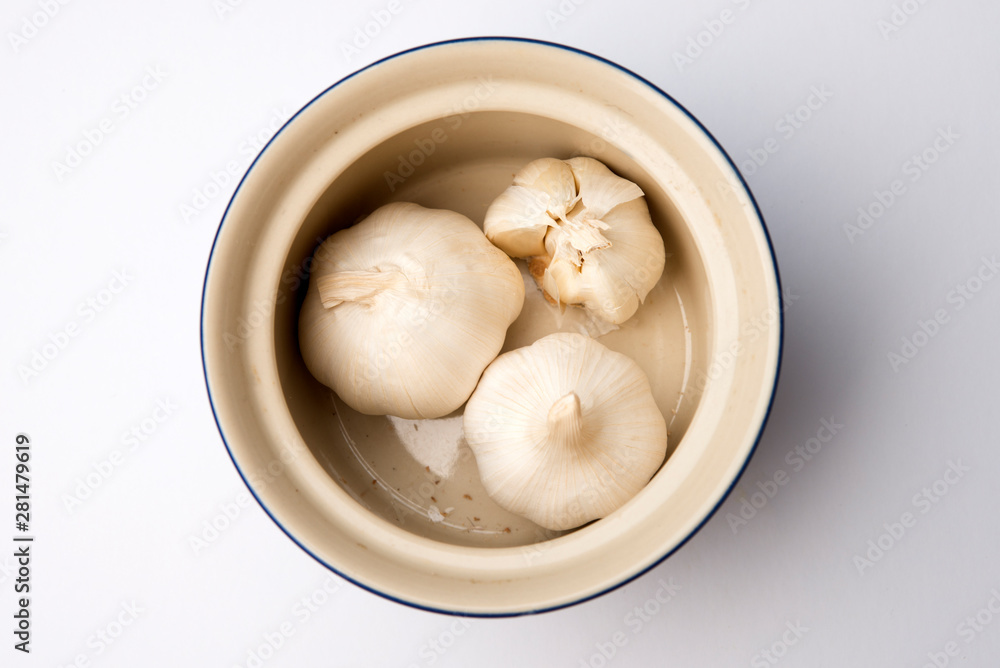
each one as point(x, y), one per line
point(400, 510)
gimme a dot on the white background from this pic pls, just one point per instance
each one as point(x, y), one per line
point(225, 76)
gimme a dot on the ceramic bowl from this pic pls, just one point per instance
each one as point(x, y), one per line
point(396, 505)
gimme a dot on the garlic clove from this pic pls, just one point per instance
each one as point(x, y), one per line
point(639, 257)
point(518, 220)
point(601, 189)
point(564, 431)
point(405, 309)
point(560, 279)
point(553, 177)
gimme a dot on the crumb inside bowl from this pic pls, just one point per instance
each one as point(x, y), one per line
point(396, 505)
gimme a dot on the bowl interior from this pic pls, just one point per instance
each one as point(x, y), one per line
point(420, 474)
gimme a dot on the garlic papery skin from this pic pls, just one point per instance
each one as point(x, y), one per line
point(587, 232)
point(564, 431)
point(405, 309)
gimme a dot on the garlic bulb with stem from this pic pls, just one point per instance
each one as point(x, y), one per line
point(564, 431)
point(405, 309)
point(586, 231)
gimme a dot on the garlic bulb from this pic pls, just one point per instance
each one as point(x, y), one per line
point(587, 231)
point(405, 309)
point(564, 431)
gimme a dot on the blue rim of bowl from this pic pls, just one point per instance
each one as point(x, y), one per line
point(763, 424)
